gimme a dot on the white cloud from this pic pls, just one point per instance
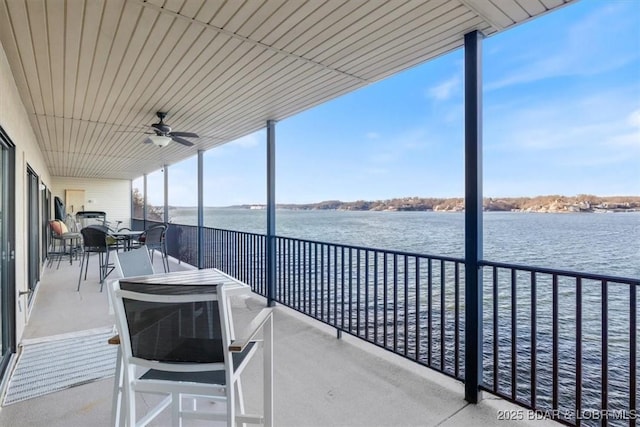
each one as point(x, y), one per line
point(600, 119)
point(375, 171)
point(394, 150)
point(573, 53)
point(446, 89)
point(634, 119)
point(629, 141)
point(248, 141)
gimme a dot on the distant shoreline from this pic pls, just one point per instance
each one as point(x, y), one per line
point(542, 204)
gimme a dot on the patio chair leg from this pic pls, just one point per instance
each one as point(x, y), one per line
point(60, 257)
point(106, 271)
point(100, 263)
point(164, 253)
point(86, 269)
point(231, 408)
point(240, 399)
point(130, 398)
point(176, 409)
point(82, 262)
point(116, 408)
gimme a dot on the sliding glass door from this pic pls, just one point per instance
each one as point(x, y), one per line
point(33, 230)
point(7, 254)
point(44, 226)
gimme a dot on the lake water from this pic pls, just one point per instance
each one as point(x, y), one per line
point(595, 243)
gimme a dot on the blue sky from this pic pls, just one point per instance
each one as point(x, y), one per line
point(561, 116)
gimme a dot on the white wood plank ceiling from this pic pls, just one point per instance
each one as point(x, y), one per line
point(93, 73)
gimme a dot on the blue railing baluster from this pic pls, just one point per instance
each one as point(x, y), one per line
point(315, 279)
point(322, 287)
point(279, 269)
point(350, 289)
point(418, 299)
point(443, 317)
point(367, 254)
point(395, 303)
point(384, 301)
point(633, 345)
point(514, 336)
point(375, 297)
point(604, 339)
point(290, 284)
point(578, 405)
point(456, 322)
point(405, 303)
point(534, 332)
point(496, 335)
point(336, 284)
point(429, 310)
point(341, 287)
point(359, 308)
point(555, 344)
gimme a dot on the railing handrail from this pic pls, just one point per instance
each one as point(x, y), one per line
point(567, 273)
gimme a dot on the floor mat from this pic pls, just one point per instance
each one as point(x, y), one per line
point(57, 363)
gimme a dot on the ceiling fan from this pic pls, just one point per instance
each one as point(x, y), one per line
point(164, 135)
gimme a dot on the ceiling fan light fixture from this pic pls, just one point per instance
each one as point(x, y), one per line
point(160, 140)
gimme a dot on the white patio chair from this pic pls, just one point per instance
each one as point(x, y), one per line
point(182, 335)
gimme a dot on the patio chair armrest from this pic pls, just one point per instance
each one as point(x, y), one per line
point(115, 340)
point(251, 330)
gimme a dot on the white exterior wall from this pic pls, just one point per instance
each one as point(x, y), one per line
point(15, 121)
point(112, 196)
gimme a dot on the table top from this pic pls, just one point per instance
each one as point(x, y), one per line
point(208, 276)
point(125, 233)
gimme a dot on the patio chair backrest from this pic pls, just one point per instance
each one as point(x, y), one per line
point(86, 218)
point(95, 239)
point(135, 262)
point(154, 236)
point(173, 324)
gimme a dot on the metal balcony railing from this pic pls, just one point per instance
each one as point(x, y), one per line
point(562, 344)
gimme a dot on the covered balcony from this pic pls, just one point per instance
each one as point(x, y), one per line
point(364, 335)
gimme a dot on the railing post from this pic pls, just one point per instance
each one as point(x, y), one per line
point(144, 204)
point(271, 212)
point(166, 193)
point(132, 206)
point(200, 209)
point(473, 214)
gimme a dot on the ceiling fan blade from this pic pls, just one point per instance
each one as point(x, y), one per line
point(181, 140)
point(161, 127)
point(183, 134)
point(132, 131)
point(147, 141)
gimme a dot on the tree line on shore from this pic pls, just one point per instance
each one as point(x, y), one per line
point(547, 203)
point(551, 203)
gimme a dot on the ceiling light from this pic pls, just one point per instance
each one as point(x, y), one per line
point(159, 140)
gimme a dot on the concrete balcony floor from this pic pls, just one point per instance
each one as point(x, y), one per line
point(319, 380)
